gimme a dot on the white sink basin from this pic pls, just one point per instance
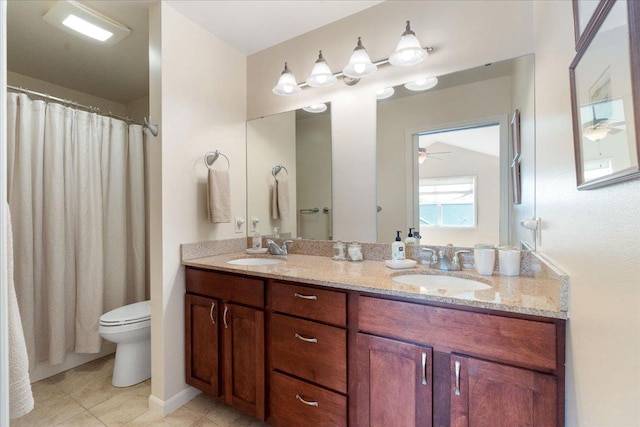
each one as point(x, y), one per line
point(255, 261)
point(433, 282)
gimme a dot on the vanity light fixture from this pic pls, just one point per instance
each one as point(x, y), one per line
point(409, 51)
point(287, 84)
point(321, 75)
point(385, 93)
point(315, 108)
point(360, 64)
point(79, 20)
point(422, 84)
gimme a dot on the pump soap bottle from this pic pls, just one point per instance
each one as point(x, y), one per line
point(397, 248)
point(410, 240)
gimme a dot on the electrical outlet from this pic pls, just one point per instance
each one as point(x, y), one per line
point(239, 224)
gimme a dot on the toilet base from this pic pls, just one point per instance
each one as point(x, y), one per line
point(133, 363)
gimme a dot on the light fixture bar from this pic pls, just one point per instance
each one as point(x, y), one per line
point(87, 28)
point(376, 63)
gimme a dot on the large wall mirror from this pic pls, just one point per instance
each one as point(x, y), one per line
point(448, 163)
point(289, 174)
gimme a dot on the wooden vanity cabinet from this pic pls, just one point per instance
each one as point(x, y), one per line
point(224, 338)
point(307, 339)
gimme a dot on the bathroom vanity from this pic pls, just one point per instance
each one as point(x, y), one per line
point(311, 341)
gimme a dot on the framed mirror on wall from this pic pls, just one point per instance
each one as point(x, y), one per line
point(583, 13)
point(605, 96)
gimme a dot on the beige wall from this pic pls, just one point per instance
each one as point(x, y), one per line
point(398, 119)
point(594, 236)
point(198, 95)
point(464, 34)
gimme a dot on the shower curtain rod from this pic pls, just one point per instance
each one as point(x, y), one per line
point(75, 104)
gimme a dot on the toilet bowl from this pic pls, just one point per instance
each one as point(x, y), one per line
point(130, 328)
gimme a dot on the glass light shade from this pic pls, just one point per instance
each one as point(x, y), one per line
point(321, 75)
point(409, 51)
point(422, 84)
point(316, 108)
point(360, 64)
point(596, 134)
point(385, 93)
point(287, 83)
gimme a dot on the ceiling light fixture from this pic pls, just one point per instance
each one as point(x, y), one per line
point(321, 75)
point(385, 93)
point(287, 84)
point(422, 84)
point(409, 51)
point(315, 108)
point(360, 64)
point(79, 20)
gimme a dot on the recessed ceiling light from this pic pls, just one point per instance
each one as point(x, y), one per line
point(77, 19)
point(385, 93)
point(422, 84)
point(316, 108)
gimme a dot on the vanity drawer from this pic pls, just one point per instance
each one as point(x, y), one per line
point(296, 403)
point(225, 287)
point(309, 350)
point(311, 303)
point(521, 342)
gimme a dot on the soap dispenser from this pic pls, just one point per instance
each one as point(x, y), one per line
point(410, 240)
point(397, 248)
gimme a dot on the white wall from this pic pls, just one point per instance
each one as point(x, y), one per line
point(198, 95)
point(463, 33)
point(594, 236)
point(399, 118)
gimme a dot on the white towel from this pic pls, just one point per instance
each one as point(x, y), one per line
point(280, 198)
point(20, 395)
point(219, 196)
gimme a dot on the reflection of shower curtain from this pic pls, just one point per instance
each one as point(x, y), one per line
point(76, 193)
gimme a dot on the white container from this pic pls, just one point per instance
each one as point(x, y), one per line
point(484, 258)
point(509, 260)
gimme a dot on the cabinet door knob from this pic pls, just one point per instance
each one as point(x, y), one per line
point(213, 306)
point(224, 316)
point(306, 402)
point(424, 368)
point(297, 295)
point(457, 368)
point(311, 340)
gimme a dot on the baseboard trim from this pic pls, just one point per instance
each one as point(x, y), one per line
point(165, 407)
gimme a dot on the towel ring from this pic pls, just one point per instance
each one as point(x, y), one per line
point(276, 170)
point(215, 155)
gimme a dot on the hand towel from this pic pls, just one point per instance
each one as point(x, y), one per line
point(280, 198)
point(219, 196)
point(20, 395)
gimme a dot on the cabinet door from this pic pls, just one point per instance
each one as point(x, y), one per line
point(394, 383)
point(244, 358)
point(201, 342)
point(491, 394)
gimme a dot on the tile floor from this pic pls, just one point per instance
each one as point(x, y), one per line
point(84, 396)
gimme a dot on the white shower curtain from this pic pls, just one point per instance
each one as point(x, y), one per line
point(76, 194)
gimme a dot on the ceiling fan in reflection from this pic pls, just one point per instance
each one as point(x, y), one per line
point(423, 154)
point(598, 128)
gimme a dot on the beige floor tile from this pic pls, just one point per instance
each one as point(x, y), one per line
point(183, 417)
point(52, 411)
point(88, 373)
point(124, 407)
point(203, 404)
point(225, 416)
point(45, 389)
point(83, 419)
point(90, 394)
point(149, 419)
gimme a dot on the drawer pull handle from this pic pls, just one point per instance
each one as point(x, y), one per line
point(424, 368)
point(213, 306)
point(311, 340)
point(297, 295)
point(224, 317)
point(457, 365)
point(306, 402)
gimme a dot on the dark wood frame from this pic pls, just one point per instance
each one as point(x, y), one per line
point(633, 11)
point(580, 37)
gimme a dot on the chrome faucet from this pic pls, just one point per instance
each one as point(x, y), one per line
point(274, 249)
point(448, 260)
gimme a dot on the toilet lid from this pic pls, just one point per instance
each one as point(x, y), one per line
point(127, 314)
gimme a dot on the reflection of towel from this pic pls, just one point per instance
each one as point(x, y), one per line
point(20, 396)
point(280, 199)
point(219, 196)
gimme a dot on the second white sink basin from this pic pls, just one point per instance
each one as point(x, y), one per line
point(432, 282)
point(255, 261)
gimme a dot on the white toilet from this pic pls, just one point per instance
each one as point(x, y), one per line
point(130, 328)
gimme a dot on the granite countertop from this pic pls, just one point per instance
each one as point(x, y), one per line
point(541, 293)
